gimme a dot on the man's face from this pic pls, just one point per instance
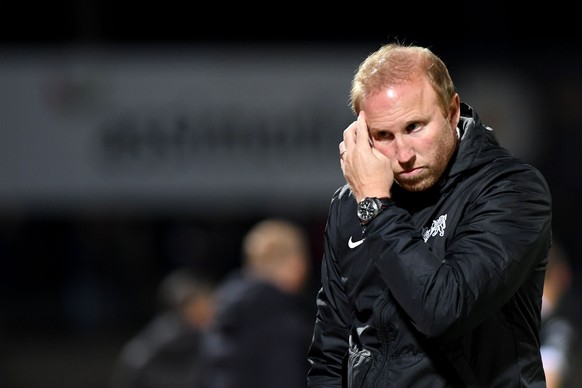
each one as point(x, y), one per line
point(407, 125)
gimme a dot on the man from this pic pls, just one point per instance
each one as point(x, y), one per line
point(165, 353)
point(435, 249)
point(261, 331)
point(558, 336)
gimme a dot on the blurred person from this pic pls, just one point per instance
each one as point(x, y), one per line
point(261, 329)
point(166, 352)
point(557, 334)
point(435, 248)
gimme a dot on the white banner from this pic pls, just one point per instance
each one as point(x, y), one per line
point(200, 128)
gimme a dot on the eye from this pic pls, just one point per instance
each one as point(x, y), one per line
point(382, 136)
point(413, 127)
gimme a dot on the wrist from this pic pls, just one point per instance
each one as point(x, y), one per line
point(372, 194)
point(369, 207)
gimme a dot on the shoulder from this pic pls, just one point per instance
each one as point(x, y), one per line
point(515, 171)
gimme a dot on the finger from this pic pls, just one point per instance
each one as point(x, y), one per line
point(349, 137)
point(362, 132)
point(341, 156)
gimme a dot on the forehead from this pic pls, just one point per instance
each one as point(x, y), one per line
point(401, 101)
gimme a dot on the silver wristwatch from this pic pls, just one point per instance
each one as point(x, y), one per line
point(370, 207)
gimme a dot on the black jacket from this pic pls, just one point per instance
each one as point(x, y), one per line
point(258, 339)
point(445, 289)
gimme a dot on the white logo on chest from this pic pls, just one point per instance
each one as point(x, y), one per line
point(438, 227)
point(352, 244)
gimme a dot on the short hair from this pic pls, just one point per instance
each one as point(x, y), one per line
point(271, 241)
point(395, 63)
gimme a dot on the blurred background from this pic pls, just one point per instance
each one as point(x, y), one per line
point(136, 138)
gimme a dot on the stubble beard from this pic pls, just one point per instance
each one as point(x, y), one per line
point(431, 174)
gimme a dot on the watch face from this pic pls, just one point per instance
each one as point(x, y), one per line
point(367, 209)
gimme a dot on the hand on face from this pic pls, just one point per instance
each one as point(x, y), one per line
point(366, 170)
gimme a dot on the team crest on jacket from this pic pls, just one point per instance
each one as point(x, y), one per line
point(438, 227)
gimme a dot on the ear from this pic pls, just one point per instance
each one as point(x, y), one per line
point(454, 110)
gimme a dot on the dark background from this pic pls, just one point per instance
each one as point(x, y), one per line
point(111, 263)
point(491, 24)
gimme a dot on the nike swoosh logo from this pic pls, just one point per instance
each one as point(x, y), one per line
point(353, 244)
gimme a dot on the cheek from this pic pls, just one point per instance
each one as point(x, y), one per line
point(445, 148)
point(426, 148)
point(386, 149)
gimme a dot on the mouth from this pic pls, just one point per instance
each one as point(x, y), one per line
point(410, 174)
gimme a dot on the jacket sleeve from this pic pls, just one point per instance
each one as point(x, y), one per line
point(502, 236)
point(329, 343)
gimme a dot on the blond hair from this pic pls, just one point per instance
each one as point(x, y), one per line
point(277, 251)
point(271, 241)
point(395, 63)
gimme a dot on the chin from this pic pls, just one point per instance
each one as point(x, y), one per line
point(417, 185)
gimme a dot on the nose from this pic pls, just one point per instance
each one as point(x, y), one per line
point(403, 149)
